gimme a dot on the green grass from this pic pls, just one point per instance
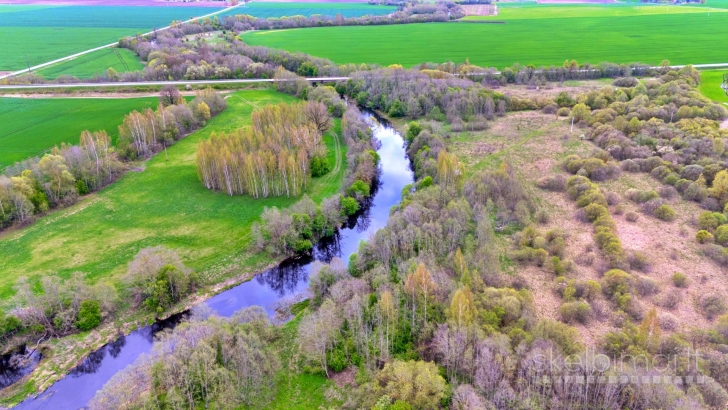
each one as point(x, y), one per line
point(44, 34)
point(710, 82)
point(31, 126)
point(648, 39)
point(266, 10)
point(164, 205)
point(540, 11)
point(96, 63)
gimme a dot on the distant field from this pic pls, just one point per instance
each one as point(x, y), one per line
point(164, 205)
point(42, 33)
point(30, 126)
point(267, 9)
point(643, 38)
point(88, 65)
point(710, 82)
point(45, 33)
point(509, 11)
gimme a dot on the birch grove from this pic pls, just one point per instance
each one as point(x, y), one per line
point(272, 157)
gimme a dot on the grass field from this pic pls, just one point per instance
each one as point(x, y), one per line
point(647, 38)
point(710, 81)
point(30, 126)
point(44, 34)
point(515, 11)
point(164, 205)
point(88, 65)
point(266, 10)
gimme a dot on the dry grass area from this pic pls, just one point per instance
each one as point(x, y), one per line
point(481, 10)
point(535, 145)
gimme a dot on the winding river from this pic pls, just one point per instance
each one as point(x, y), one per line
point(266, 289)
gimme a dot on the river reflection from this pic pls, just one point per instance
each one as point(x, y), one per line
point(288, 279)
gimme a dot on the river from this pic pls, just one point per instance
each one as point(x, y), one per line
point(286, 280)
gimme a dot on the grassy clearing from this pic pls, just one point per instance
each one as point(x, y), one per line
point(91, 64)
point(266, 10)
point(647, 38)
point(163, 205)
point(31, 126)
point(710, 82)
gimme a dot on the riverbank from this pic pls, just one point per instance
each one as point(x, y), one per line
point(163, 205)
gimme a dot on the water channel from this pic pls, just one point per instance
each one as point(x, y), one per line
point(286, 280)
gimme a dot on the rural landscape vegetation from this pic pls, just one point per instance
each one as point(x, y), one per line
point(462, 205)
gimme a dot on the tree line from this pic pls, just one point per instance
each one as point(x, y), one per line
point(37, 185)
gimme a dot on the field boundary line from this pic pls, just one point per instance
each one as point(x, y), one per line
point(72, 56)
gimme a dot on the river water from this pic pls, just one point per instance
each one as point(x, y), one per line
point(288, 279)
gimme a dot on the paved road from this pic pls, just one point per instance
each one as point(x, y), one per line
point(39, 66)
point(158, 83)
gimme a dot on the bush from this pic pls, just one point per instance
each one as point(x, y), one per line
point(671, 300)
point(565, 336)
point(668, 192)
point(704, 237)
point(359, 189)
point(712, 305)
point(665, 213)
point(552, 183)
point(616, 282)
point(631, 216)
point(302, 245)
point(576, 311)
point(641, 196)
point(563, 112)
point(721, 235)
point(320, 166)
point(646, 286)
point(680, 280)
point(550, 109)
point(638, 261)
point(625, 82)
point(89, 315)
point(651, 206)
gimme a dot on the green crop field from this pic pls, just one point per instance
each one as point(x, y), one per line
point(710, 82)
point(688, 38)
point(97, 62)
point(31, 126)
point(164, 205)
point(266, 10)
point(515, 11)
point(43, 34)
point(32, 35)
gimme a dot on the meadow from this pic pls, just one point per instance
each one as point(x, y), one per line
point(511, 11)
point(31, 126)
point(710, 82)
point(541, 41)
point(95, 63)
point(165, 204)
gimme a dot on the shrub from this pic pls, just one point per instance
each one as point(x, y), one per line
point(616, 282)
point(631, 216)
point(625, 82)
point(550, 109)
point(671, 300)
point(665, 213)
point(704, 237)
point(613, 198)
point(646, 286)
point(359, 189)
point(565, 336)
point(721, 235)
point(552, 182)
point(576, 311)
point(638, 261)
point(667, 192)
point(651, 206)
point(712, 305)
point(89, 315)
point(680, 280)
point(320, 166)
point(563, 112)
point(641, 196)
